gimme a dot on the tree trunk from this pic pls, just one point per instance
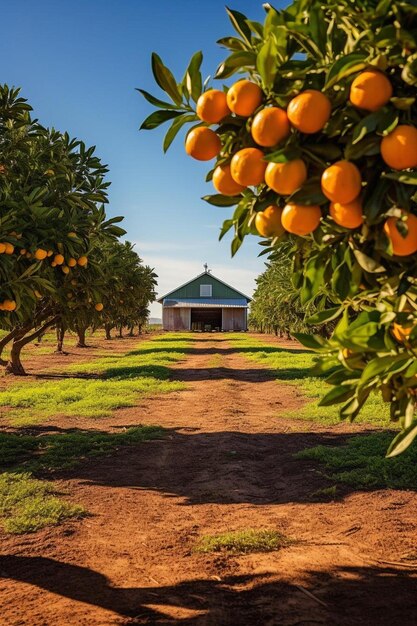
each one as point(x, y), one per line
point(120, 331)
point(81, 337)
point(107, 329)
point(131, 331)
point(7, 339)
point(15, 366)
point(60, 334)
point(140, 329)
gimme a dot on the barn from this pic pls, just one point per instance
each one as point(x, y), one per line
point(205, 303)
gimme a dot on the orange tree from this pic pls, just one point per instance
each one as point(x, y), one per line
point(52, 191)
point(317, 144)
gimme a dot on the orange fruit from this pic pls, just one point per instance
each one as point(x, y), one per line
point(402, 246)
point(248, 167)
point(399, 148)
point(59, 259)
point(370, 90)
point(401, 333)
point(65, 269)
point(41, 254)
point(212, 106)
point(224, 183)
point(202, 143)
point(244, 97)
point(50, 252)
point(82, 261)
point(53, 264)
point(9, 305)
point(268, 222)
point(2, 248)
point(299, 219)
point(72, 262)
point(23, 251)
point(285, 178)
point(348, 215)
point(310, 111)
point(341, 182)
point(270, 126)
point(9, 248)
point(99, 306)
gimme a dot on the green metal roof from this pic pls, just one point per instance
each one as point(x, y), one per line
point(191, 289)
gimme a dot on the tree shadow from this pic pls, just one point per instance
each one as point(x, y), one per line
point(248, 374)
point(344, 596)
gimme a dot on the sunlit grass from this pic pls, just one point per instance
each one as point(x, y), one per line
point(28, 504)
point(120, 380)
point(243, 541)
point(292, 366)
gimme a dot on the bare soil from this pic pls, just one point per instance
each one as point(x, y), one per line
point(226, 463)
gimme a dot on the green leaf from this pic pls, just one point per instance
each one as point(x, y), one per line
point(176, 126)
point(235, 62)
point(239, 23)
point(345, 66)
point(408, 178)
point(267, 62)
point(157, 118)
point(318, 28)
point(314, 342)
point(232, 43)
point(337, 394)
point(192, 78)
point(321, 317)
point(236, 243)
point(227, 225)
point(283, 155)
point(165, 79)
point(401, 442)
point(219, 200)
point(310, 193)
point(155, 101)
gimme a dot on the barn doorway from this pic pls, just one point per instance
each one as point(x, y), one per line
point(206, 320)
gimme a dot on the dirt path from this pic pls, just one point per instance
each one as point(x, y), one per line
point(226, 464)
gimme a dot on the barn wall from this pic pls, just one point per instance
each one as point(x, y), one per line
point(234, 319)
point(176, 318)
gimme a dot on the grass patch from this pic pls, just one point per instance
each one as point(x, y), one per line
point(243, 542)
point(120, 380)
point(293, 366)
point(361, 463)
point(27, 504)
point(66, 450)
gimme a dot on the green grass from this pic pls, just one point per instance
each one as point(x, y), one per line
point(28, 504)
point(119, 381)
point(293, 366)
point(243, 541)
point(361, 463)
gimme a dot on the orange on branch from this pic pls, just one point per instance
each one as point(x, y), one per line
point(244, 97)
point(310, 111)
point(202, 143)
point(82, 261)
point(402, 245)
point(268, 222)
point(300, 219)
point(2, 248)
point(401, 333)
point(285, 178)
point(248, 167)
point(371, 90)
point(224, 183)
point(59, 259)
point(9, 305)
point(399, 148)
point(41, 254)
point(99, 306)
point(348, 215)
point(65, 269)
point(9, 248)
point(341, 182)
point(270, 126)
point(212, 106)
point(72, 262)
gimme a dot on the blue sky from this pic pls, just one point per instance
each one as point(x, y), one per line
point(78, 63)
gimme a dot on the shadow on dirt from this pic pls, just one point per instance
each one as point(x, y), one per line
point(363, 596)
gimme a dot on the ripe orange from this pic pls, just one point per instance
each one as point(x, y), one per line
point(370, 90)
point(99, 306)
point(285, 178)
point(270, 126)
point(202, 143)
point(248, 167)
point(9, 248)
point(50, 252)
point(244, 97)
point(59, 259)
point(65, 269)
point(224, 183)
point(399, 148)
point(348, 215)
point(82, 261)
point(2, 248)
point(53, 264)
point(72, 262)
point(23, 251)
point(401, 333)
point(341, 182)
point(9, 305)
point(41, 254)
point(402, 246)
point(310, 111)
point(300, 219)
point(212, 106)
point(268, 222)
